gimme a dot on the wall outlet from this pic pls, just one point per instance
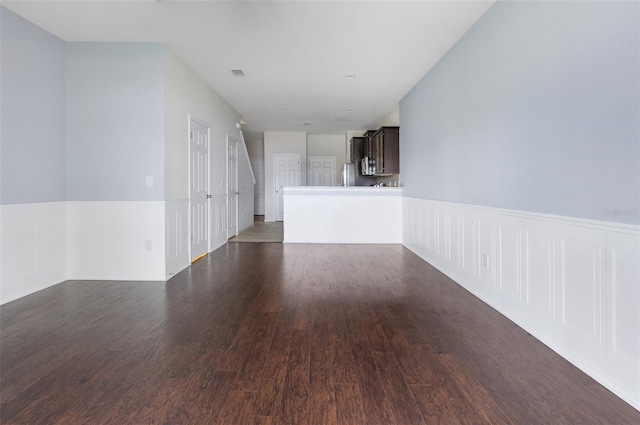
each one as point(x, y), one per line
point(148, 181)
point(147, 246)
point(329, 222)
point(485, 260)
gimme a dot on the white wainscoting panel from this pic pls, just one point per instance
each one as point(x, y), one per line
point(581, 288)
point(108, 240)
point(623, 271)
point(218, 208)
point(537, 273)
point(574, 284)
point(33, 244)
point(177, 236)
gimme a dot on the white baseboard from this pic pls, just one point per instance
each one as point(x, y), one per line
point(574, 284)
point(33, 248)
point(108, 240)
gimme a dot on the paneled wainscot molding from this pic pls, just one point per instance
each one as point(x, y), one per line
point(574, 284)
point(33, 248)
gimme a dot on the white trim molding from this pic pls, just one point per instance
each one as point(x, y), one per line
point(572, 283)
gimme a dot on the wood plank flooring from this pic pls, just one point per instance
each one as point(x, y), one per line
point(261, 232)
point(285, 334)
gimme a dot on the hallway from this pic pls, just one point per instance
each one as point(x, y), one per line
point(261, 231)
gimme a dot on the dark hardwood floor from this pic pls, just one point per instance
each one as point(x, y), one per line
point(285, 334)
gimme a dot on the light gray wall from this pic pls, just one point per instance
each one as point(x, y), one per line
point(115, 121)
point(187, 94)
point(255, 148)
point(334, 145)
point(537, 109)
point(281, 142)
point(32, 148)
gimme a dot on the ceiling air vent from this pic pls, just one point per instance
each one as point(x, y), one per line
point(237, 73)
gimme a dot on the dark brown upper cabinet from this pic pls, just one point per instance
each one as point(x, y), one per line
point(385, 149)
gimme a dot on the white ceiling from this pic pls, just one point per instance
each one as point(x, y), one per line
point(294, 54)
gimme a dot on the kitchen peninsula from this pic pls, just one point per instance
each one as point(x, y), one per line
point(337, 214)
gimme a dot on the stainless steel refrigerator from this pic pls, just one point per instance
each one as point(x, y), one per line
point(349, 174)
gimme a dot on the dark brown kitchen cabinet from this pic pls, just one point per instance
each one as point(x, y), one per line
point(385, 145)
point(368, 143)
point(356, 149)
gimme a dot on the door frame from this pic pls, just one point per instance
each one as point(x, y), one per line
point(231, 139)
point(203, 123)
point(275, 178)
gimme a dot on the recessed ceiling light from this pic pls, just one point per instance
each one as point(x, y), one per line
point(349, 77)
point(351, 110)
point(307, 123)
point(280, 110)
point(343, 125)
point(237, 73)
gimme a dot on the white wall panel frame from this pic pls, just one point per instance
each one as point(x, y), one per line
point(572, 283)
point(456, 240)
point(470, 246)
point(218, 221)
point(177, 236)
point(538, 272)
point(581, 283)
point(509, 261)
point(624, 271)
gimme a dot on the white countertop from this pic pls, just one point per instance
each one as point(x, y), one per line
point(342, 191)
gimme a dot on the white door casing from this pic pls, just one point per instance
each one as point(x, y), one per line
point(321, 171)
point(232, 187)
point(287, 173)
point(199, 188)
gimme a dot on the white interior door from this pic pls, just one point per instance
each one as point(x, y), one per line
point(232, 187)
point(199, 189)
point(287, 173)
point(321, 171)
